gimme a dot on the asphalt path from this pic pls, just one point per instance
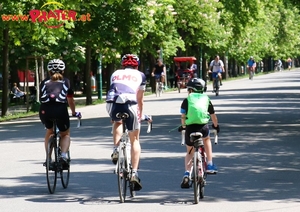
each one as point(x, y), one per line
point(258, 156)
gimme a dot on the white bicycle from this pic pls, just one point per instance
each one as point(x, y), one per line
point(123, 167)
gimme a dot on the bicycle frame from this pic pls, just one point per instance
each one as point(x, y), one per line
point(251, 72)
point(158, 86)
point(199, 166)
point(123, 168)
point(217, 84)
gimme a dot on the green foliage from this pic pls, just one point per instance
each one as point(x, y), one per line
point(239, 27)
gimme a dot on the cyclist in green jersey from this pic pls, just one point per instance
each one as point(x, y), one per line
point(196, 111)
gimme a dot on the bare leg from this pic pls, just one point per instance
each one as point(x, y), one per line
point(208, 148)
point(117, 132)
point(49, 132)
point(188, 158)
point(65, 141)
point(135, 148)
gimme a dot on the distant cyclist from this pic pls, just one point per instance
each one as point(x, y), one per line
point(159, 71)
point(196, 111)
point(278, 65)
point(126, 94)
point(251, 66)
point(289, 62)
point(55, 95)
point(217, 67)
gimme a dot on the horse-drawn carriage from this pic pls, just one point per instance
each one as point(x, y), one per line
point(183, 74)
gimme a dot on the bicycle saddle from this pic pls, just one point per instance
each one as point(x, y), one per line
point(122, 115)
point(196, 137)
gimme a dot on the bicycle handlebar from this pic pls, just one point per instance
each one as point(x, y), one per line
point(216, 136)
point(78, 120)
point(182, 137)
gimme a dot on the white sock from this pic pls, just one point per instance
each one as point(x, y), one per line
point(209, 163)
point(64, 154)
point(134, 172)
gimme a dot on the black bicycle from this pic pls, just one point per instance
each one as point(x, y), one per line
point(123, 166)
point(53, 163)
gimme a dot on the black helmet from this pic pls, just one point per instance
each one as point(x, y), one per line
point(197, 85)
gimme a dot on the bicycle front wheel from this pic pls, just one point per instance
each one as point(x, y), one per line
point(160, 90)
point(196, 178)
point(217, 85)
point(51, 165)
point(122, 174)
point(65, 172)
point(178, 86)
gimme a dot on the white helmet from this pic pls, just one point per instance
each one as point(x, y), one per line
point(56, 65)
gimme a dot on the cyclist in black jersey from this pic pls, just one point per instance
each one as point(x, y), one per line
point(159, 71)
point(55, 95)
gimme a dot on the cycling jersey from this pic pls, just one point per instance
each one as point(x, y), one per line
point(217, 66)
point(159, 70)
point(54, 103)
point(55, 91)
point(124, 85)
point(203, 128)
point(251, 62)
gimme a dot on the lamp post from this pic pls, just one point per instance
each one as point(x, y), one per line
point(100, 77)
point(200, 62)
point(161, 57)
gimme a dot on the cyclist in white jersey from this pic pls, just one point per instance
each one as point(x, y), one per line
point(126, 94)
point(217, 67)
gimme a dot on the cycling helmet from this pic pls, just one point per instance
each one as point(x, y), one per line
point(130, 60)
point(197, 85)
point(56, 66)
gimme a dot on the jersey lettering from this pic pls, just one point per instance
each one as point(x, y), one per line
point(124, 77)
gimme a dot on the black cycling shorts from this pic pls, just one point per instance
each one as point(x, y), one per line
point(203, 128)
point(58, 111)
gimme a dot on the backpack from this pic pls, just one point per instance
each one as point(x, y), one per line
point(197, 109)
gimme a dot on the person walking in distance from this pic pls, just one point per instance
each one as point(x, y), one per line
point(126, 94)
point(196, 111)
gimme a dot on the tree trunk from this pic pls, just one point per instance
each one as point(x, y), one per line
point(5, 92)
point(109, 70)
point(88, 90)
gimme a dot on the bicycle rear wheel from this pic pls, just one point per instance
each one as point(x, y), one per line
point(160, 90)
point(196, 177)
point(122, 175)
point(51, 165)
point(65, 172)
point(156, 89)
point(178, 86)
